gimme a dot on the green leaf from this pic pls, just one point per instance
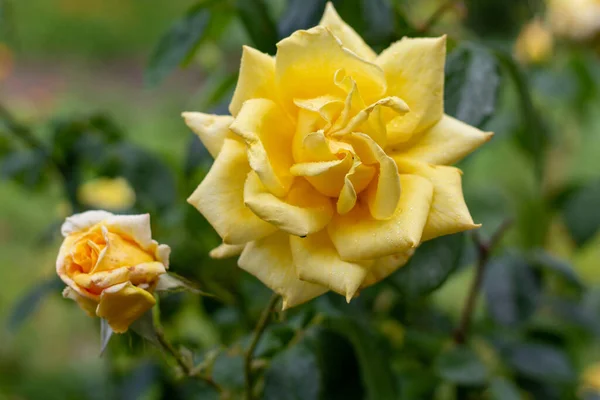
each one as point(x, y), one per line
point(25, 166)
point(503, 389)
point(106, 334)
point(582, 214)
point(543, 259)
point(471, 86)
point(178, 44)
point(31, 300)
point(258, 24)
point(171, 282)
point(461, 366)
point(293, 374)
point(433, 262)
point(533, 136)
point(300, 14)
point(512, 290)
point(541, 362)
point(377, 377)
point(379, 20)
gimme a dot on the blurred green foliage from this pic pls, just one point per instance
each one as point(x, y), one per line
point(537, 330)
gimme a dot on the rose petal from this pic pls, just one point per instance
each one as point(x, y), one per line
point(349, 38)
point(446, 143)
point(226, 251)
point(220, 197)
point(385, 266)
point(86, 304)
point(211, 129)
point(270, 260)
point(82, 221)
point(449, 213)
point(358, 236)
point(317, 261)
point(256, 79)
point(414, 70)
point(122, 304)
point(268, 134)
point(301, 212)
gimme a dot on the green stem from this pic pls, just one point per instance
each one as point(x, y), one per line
point(258, 331)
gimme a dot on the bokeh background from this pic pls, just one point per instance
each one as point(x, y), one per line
point(92, 65)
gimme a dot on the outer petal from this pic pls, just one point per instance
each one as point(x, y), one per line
point(317, 261)
point(349, 38)
point(270, 260)
point(449, 213)
point(82, 221)
point(358, 236)
point(307, 61)
point(136, 227)
point(385, 266)
point(256, 80)
point(414, 70)
point(220, 197)
point(146, 273)
point(122, 304)
point(226, 251)
point(268, 134)
point(87, 305)
point(447, 142)
point(301, 212)
point(211, 129)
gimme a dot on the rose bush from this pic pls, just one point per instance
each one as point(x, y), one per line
point(334, 163)
point(111, 265)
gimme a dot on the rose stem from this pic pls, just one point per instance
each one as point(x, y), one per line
point(258, 331)
point(484, 251)
point(187, 369)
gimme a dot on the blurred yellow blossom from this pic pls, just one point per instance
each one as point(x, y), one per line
point(335, 162)
point(111, 265)
point(534, 43)
point(590, 379)
point(574, 19)
point(107, 193)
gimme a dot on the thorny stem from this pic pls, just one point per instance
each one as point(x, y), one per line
point(258, 331)
point(187, 369)
point(484, 251)
point(437, 14)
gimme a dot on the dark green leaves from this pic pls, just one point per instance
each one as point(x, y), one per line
point(300, 14)
point(431, 265)
point(228, 371)
point(258, 24)
point(31, 300)
point(461, 366)
point(581, 213)
point(559, 267)
point(502, 389)
point(541, 362)
point(178, 44)
point(294, 374)
point(471, 85)
point(512, 289)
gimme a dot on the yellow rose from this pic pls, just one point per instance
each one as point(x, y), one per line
point(574, 19)
point(334, 164)
point(107, 193)
point(534, 43)
point(111, 265)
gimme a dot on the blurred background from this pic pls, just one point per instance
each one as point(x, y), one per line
point(93, 90)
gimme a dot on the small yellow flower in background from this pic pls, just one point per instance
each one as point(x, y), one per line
point(334, 164)
point(111, 265)
point(590, 379)
point(574, 19)
point(534, 44)
point(107, 193)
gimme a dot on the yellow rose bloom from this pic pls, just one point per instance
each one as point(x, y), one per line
point(111, 265)
point(334, 164)
point(534, 43)
point(574, 19)
point(107, 193)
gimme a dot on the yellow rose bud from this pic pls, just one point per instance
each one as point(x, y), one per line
point(534, 44)
point(335, 162)
point(111, 265)
point(574, 19)
point(107, 193)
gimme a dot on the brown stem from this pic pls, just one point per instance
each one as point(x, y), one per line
point(484, 251)
point(187, 369)
point(258, 331)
